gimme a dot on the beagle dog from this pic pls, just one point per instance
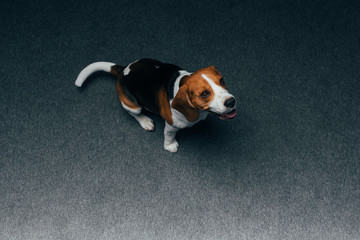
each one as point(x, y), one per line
point(180, 97)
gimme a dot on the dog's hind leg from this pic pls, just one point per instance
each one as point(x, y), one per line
point(145, 122)
point(134, 110)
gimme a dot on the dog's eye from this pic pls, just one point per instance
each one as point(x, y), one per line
point(222, 82)
point(205, 94)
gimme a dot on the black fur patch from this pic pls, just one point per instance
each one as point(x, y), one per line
point(146, 78)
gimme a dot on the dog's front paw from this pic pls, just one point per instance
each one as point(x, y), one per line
point(173, 147)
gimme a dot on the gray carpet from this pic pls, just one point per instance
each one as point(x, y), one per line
point(75, 165)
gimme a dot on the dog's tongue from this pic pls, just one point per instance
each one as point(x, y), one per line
point(229, 115)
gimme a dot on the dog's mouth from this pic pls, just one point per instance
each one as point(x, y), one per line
point(227, 116)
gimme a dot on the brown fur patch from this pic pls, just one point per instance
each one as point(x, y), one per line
point(117, 70)
point(213, 74)
point(123, 97)
point(181, 103)
point(196, 88)
point(164, 105)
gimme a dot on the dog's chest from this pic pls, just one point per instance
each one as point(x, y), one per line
point(180, 120)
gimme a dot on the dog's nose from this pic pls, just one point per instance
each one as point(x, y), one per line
point(230, 102)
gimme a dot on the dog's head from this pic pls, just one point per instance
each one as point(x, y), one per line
point(204, 90)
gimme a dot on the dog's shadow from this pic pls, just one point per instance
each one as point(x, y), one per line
point(203, 133)
point(213, 136)
point(210, 139)
point(213, 139)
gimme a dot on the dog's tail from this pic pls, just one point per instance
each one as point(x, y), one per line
point(97, 66)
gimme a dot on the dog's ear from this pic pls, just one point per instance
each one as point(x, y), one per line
point(183, 104)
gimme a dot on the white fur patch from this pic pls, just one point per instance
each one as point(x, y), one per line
point(131, 110)
point(180, 121)
point(177, 81)
point(145, 122)
point(94, 67)
point(221, 94)
point(127, 69)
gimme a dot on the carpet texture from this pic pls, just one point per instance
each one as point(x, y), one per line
point(75, 165)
